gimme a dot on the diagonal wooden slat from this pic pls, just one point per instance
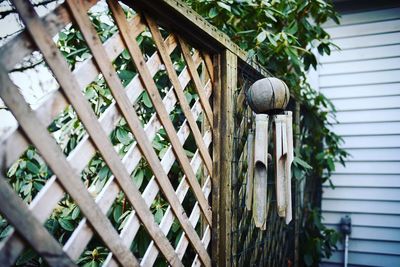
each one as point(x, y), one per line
point(158, 40)
point(53, 155)
point(51, 193)
point(196, 80)
point(70, 87)
point(166, 223)
point(133, 121)
point(206, 240)
point(81, 236)
point(17, 213)
point(132, 226)
point(209, 65)
point(154, 95)
point(85, 73)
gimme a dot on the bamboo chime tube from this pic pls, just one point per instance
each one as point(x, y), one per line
point(260, 172)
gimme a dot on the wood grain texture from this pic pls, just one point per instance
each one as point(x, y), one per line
point(29, 228)
point(158, 40)
point(196, 80)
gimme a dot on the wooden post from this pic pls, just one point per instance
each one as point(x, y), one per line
point(226, 81)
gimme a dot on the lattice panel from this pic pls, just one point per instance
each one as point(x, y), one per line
point(124, 113)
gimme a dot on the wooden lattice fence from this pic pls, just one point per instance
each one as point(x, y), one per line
point(206, 122)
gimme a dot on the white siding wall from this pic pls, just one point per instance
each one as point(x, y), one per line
point(363, 81)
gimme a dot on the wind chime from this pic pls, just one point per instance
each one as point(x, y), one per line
point(268, 99)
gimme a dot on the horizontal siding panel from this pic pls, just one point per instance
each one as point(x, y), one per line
point(364, 29)
point(365, 180)
point(370, 16)
point(360, 235)
point(376, 128)
point(374, 154)
point(360, 66)
point(368, 116)
point(368, 40)
point(383, 167)
point(390, 194)
point(359, 206)
point(362, 90)
point(367, 103)
point(361, 54)
point(367, 259)
point(371, 246)
point(377, 220)
point(371, 141)
point(378, 77)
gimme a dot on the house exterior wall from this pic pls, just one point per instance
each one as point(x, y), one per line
point(363, 81)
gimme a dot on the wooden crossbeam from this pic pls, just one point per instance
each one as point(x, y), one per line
point(94, 43)
point(196, 80)
point(154, 95)
point(70, 87)
point(29, 228)
point(162, 51)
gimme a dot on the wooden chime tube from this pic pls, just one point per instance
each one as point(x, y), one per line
point(250, 170)
point(280, 159)
point(260, 182)
point(288, 171)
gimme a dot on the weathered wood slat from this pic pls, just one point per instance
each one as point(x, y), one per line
point(94, 43)
point(158, 40)
point(206, 240)
point(194, 218)
point(209, 65)
point(132, 226)
point(216, 193)
point(51, 193)
point(154, 95)
point(196, 80)
point(18, 214)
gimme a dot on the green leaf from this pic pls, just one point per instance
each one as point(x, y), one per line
point(123, 136)
point(62, 36)
point(66, 224)
point(30, 153)
point(331, 164)
point(117, 213)
point(224, 6)
point(299, 161)
point(212, 13)
point(32, 167)
point(126, 75)
point(103, 173)
point(261, 36)
point(75, 213)
point(158, 215)
point(126, 55)
point(138, 178)
point(146, 100)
